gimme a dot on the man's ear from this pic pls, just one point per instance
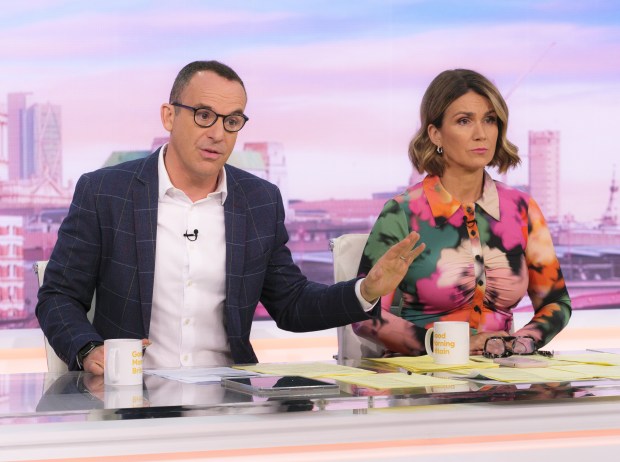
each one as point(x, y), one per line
point(167, 116)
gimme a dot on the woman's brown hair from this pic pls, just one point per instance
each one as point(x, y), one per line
point(443, 91)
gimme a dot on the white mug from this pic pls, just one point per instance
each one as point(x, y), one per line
point(123, 361)
point(123, 397)
point(450, 342)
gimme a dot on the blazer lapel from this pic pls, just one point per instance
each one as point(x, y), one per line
point(145, 200)
point(235, 209)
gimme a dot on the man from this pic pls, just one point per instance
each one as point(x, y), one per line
point(180, 248)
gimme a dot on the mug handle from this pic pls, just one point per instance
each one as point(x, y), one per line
point(112, 363)
point(427, 341)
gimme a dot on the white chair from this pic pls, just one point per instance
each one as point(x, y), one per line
point(54, 363)
point(347, 252)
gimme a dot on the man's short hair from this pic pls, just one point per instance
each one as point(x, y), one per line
point(186, 74)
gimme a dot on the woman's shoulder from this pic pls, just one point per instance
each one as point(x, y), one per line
point(411, 193)
point(514, 193)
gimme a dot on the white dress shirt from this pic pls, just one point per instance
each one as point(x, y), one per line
point(189, 288)
point(187, 316)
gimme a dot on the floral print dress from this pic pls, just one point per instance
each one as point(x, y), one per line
point(479, 261)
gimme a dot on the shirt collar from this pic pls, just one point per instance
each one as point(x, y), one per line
point(165, 184)
point(444, 205)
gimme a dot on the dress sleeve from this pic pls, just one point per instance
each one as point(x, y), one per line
point(390, 228)
point(546, 288)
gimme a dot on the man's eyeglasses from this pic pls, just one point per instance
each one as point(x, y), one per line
point(502, 347)
point(206, 118)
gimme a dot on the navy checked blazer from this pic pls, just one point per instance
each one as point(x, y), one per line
point(107, 243)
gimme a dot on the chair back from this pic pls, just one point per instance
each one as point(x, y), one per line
point(54, 363)
point(347, 252)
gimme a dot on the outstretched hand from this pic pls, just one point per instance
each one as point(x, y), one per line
point(391, 268)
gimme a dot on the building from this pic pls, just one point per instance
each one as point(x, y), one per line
point(544, 172)
point(118, 157)
point(34, 139)
point(16, 108)
point(12, 269)
point(42, 143)
point(275, 166)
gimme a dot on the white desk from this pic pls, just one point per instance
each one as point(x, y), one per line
point(577, 421)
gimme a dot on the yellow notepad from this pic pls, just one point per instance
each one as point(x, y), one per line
point(592, 370)
point(605, 359)
point(311, 370)
point(532, 375)
point(425, 364)
point(394, 380)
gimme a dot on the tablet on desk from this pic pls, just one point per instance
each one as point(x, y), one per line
point(288, 385)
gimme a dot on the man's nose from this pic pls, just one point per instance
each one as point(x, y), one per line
point(216, 131)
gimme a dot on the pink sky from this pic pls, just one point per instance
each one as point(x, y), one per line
point(344, 108)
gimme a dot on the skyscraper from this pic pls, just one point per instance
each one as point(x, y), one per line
point(544, 171)
point(34, 139)
point(16, 107)
point(42, 154)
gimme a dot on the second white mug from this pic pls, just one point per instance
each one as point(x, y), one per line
point(450, 342)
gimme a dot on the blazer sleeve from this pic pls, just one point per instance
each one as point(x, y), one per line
point(300, 305)
point(70, 278)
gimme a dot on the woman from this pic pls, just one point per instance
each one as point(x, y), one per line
point(486, 244)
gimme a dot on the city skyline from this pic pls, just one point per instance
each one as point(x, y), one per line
point(339, 87)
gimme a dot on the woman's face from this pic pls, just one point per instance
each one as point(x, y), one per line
point(468, 134)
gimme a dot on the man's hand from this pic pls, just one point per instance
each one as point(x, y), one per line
point(391, 268)
point(94, 362)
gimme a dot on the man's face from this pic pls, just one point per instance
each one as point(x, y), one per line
point(195, 155)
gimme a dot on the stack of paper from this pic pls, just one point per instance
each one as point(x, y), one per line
point(562, 368)
point(532, 375)
point(604, 359)
point(395, 380)
point(311, 370)
point(199, 374)
point(425, 364)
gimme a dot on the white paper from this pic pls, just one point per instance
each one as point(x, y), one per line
point(199, 374)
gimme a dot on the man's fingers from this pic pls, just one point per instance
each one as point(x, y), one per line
point(406, 249)
point(94, 368)
point(415, 252)
point(410, 255)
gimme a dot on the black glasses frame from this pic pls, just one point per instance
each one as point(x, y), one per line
point(508, 349)
point(217, 116)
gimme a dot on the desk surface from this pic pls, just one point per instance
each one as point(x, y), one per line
point(43, 414)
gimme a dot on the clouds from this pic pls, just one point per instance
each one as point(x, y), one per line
point(337, 85)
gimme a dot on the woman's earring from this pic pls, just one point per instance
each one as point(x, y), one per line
point(439, 150)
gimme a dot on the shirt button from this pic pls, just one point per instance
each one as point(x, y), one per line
point(478, 258)
point(189, 283)
point(480, 282)
point(186, 322)
point(473, 233)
